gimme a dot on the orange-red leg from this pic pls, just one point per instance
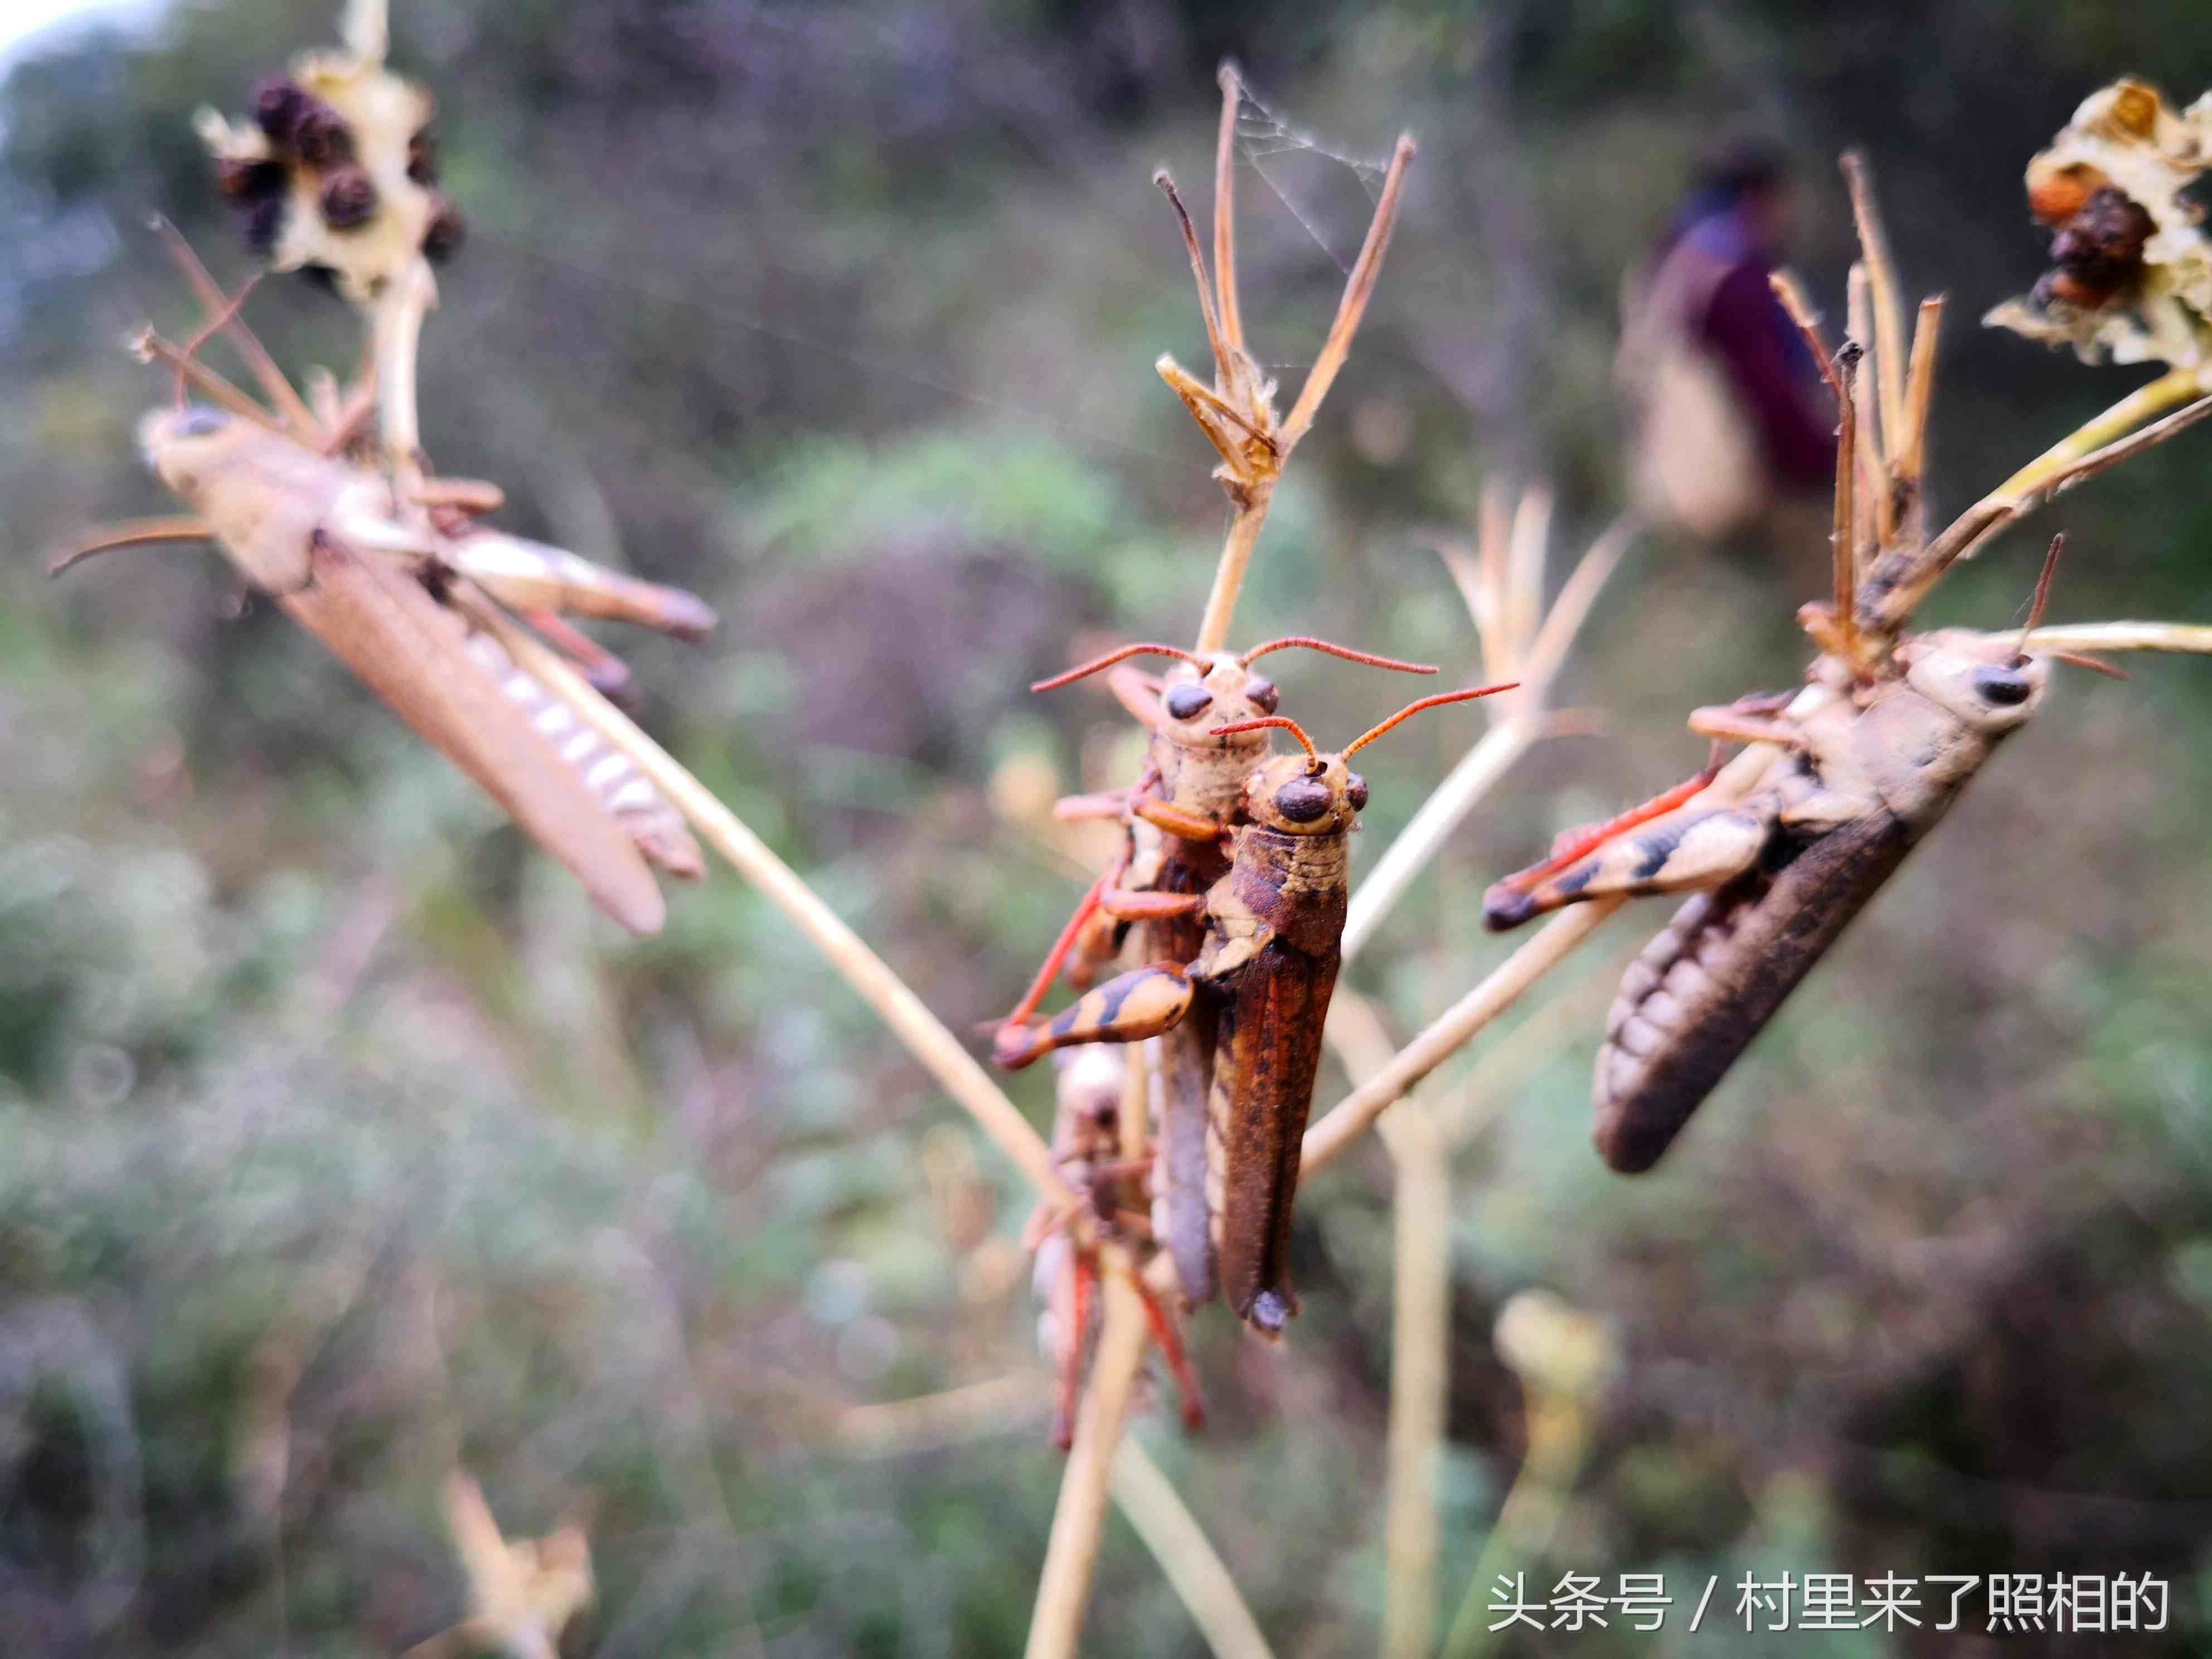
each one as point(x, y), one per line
point(1040, 987)
point(1170, 1340)
point(1580, 842)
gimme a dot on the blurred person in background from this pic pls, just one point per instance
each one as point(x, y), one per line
point(1728, 419)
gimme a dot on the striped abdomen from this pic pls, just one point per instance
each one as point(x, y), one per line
point(613, 777)
point(1693, 1000)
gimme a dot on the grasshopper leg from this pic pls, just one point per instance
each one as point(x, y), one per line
point(1142, 1003)
point(1693, 846)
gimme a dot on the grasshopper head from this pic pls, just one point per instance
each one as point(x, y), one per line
point(1226, 692)
point(1983, 682)
point(179, 443)
point(1305, 795)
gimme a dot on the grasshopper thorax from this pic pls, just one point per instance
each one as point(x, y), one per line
point(1986, 684)
point(1305, 795)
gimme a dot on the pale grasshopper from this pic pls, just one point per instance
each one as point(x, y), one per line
point(382, 574)
point(1838, 781)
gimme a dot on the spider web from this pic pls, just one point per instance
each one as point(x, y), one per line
point(1300, 169)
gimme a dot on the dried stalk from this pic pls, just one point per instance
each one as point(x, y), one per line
point(1349, 1119)
point(1199, 1576)
point(2059, 468)
point(1071, 1556)
point(1523, 723)
point(1888, 303)
point(1359, 288)
point(2122, 636)
point(1420, 1338)
point(940, 1053)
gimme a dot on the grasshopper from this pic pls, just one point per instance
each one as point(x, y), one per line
point(1086, 1148)
point(1178, 817)
point(386, 582)
point(1785, 843)
point(1264, 974)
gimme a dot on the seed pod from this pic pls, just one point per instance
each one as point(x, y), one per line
point(2058, 197)
point(422, 160)
point(265, 221)
point(444, 235)
point(349, 199)
point(249, 181)
point(278, 104)
point(321, 136)
point(2102, 245)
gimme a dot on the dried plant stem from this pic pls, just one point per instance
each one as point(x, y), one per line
point(2173, 387)
point(2122, 636)
point(1078, 1521)
point(974, 1411)
point(1228, 573)
point(1522, 1531)
point(1198, 1575)
point(1440, 815)
point(1525, 724)
point(1349, 1119)
point(940, 1053)
point(1224, 207)
point(1888, 303)
point(1420, 1373)
point(2060, 468)
point(1358, 287)
point(395, 332)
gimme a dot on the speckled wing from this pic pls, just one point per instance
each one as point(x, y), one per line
point(412, 653)
point(1697, 995)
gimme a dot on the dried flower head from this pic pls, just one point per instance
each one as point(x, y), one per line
point(2131, 276)
point(334, 171)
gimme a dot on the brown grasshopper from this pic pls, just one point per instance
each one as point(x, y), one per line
point(1787, 842)
point(1265, 973)
point(383, 582)
point(1086, 1148)
point(1178, 817)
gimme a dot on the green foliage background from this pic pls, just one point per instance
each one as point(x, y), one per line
point(844, 315)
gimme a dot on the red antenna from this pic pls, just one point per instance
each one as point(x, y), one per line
point(1109, 660)
point(1412, 708)
point(1270, 722)
point(1311, 643)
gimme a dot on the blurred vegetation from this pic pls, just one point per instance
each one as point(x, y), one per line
point(338, 1136)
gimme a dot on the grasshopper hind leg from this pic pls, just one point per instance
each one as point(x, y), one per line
point(1692, 848)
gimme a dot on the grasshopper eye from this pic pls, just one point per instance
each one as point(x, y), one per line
point(198, 421)
point(1355, 791)
point(1186, 702)
point(1263, 696)
point(1302, 800)
point(2005, 687)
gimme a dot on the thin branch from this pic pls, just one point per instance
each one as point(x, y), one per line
point(1888, 299)
point(2012, 501)
point(2195, 637)
point(1481, 768)
point(1078, 1521)
point(1229, 574)
point(1225, 209)
point(270, 377)
point(1357, 290)
point(940, 1053)
point(1200, 1580)
point(1349, 1119)
point(1420, 1332)
point(1908, 457)
point(149, 346)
